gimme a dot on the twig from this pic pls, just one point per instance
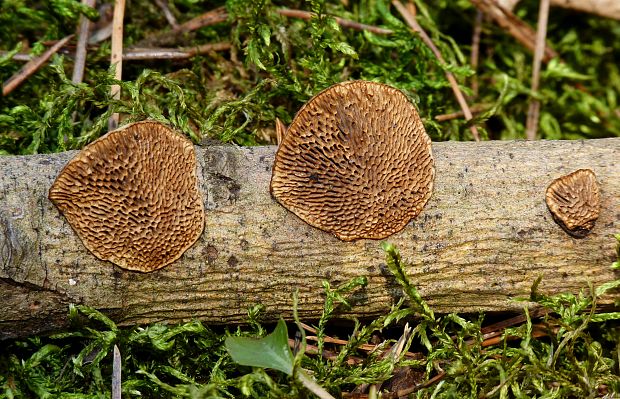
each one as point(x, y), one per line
point(309, 328)
point(209, 18)
point(521, 318)
point(345, 23)
point(135, 54)
point(22, 57)
point(603, 8)
point(460, 98)
point(139, 54)
point(534, 110)
point(116, 374)
point(475, 51)
point(117, 56)
point(329, 355)
point(400, 392)
point(163, 4)
point(408, 391)
point(80, 50)
point(477, 108)
point(31, 67)
point(520, 30)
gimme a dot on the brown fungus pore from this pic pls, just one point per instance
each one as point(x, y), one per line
point(355, 162)
point(574, 202)
point(132, 196)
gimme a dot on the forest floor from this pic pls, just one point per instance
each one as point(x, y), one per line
point(225, 71)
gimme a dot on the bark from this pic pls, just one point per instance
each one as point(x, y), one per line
point(481, 241)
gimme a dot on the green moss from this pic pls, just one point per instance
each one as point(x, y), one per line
point(576, 357)
point(278, 63)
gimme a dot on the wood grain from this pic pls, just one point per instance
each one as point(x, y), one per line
point(483, 238)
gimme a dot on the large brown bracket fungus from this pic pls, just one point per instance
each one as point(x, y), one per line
point(574, 202)
point(132, 196)
point(355, 162)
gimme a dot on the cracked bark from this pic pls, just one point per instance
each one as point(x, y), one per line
point(481, 241)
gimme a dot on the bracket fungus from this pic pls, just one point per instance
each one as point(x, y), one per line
point(355, 162)
point(574, 202)
point(132, 196)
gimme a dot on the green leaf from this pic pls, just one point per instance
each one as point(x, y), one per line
point(271, 351)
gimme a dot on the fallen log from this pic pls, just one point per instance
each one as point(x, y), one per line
point(481, 241)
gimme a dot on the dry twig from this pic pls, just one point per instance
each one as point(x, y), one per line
point(80, 50)
point(163, 4)
point(477, 108)
point(135, 54)
point(475, 51)
point(209, 18)
point(139, 54)
point(117, 55)
point(345, 23)
point(32, 66)
point(460, 98)
point(401, 392)
point(116, 374)
point(604, 8)
point(520, 30)
point(534, 109)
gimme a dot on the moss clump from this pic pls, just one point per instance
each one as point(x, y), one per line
point(277, 63)
point(568, 352)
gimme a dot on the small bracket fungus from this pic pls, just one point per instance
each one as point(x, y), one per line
point(132, 196)
point(355, 162)
point(574, 202)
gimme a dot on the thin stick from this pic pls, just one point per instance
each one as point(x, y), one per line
point(31, 67)
point(22, 57)
point(460, 98)
point(163, 4)
point(116, 374)
point(345, 23)
point(475, 51)
point(534, 110)
point(516, 27)
point(400, 392)
point(209, 18)
point(408, 391)
point(136, 54)
point(139, 54)
point(117, 55)
point(475, 109)
point(80, 50)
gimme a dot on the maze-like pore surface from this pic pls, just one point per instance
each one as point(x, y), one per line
point(574, 202)
point(132, 196)
point(355, 162)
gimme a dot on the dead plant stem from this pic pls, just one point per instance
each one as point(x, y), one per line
point(31, 67)
point(541, 35)
point(80, 51)
point(460, 98)
point(117, 56)
point(345, 23)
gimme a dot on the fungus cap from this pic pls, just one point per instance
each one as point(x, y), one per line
point(574, 202)
point(132, 196)
point(355, 162)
